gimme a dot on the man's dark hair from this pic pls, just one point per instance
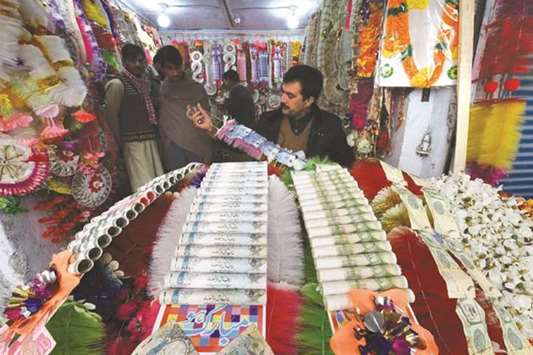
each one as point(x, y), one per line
point(169, 55)
point(231, 75)
point(131, 51)
point(310, 79)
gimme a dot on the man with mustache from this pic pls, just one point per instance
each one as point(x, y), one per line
point(299, 124)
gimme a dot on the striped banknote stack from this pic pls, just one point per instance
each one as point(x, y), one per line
point(349, 247)
point(222, 252)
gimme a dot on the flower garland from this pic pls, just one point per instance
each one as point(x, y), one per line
point(398, 40)
point(369, 40)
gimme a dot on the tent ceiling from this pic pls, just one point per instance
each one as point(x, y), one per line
point(227, 14)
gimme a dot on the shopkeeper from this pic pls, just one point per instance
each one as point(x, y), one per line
point(299, 124)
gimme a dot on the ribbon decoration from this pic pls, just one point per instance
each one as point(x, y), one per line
point(364, 302)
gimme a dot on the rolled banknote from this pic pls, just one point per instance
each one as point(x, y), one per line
point(236, 251)
point(343, 229)
point(223, 281)
point(377, 284)
point(210, 206)
point(341, 212)
point(235, 227)
point(228, 239)
point(222, 265)
point(343, 239)
point(358, 272)
point(210, 296)
point(227, 216)
point(335, 262)
point(342, 301)
point(235, 190)
point(351, 249)
point(333, 221)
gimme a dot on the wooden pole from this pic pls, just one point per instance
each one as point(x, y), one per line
point(464, 81)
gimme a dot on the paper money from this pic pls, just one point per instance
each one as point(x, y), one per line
point(248, 342)
point(342, 240)
point(321, 206)
point(250, 198)
point(215, 281)
point(223, 265)
point(330, 200)
point(342, 301)
point(227, 239)
point(378, 284)
point(227, 216)
point(515, 342)
point(234, 183)
point(473, 318)
point(210, 296)
point(351, 249)
point(207, 206)
point(236, 251)
point(343, 229)
point(357, 273)
point(335, 262)
point(237, 190)
point(234, 227)
point(344, 220)
point(341, 212)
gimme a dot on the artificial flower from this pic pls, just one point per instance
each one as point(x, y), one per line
point(422, 78)
point(83, 116)
point(6, 108)
point(497, 235)
point(23, 168)
point(16, 120)
point(417, 4)
point(50, 111)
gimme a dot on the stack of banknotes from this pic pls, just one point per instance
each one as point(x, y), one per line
point(222, 252)
point(349, 246)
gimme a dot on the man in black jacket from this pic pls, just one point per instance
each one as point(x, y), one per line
point(299, 124)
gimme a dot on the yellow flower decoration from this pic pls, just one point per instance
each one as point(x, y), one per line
point(421, 78)
point(5, 105)
point(59, 187)
point(296, 48)
point(417, 4)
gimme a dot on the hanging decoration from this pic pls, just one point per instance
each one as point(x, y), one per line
point(497, 114)
point(50, 123)
point(419, 49)
point(260, 62)
point(493, 141)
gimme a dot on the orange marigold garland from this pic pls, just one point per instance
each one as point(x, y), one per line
point(369, 41)
point(398, 40)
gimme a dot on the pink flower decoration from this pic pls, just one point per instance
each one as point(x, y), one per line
point(53, 130)
point(16, 120)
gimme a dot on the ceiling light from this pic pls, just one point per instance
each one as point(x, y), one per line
point(293, 21)
point(163, 20)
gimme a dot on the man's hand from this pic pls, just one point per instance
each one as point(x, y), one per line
point(201, 119)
